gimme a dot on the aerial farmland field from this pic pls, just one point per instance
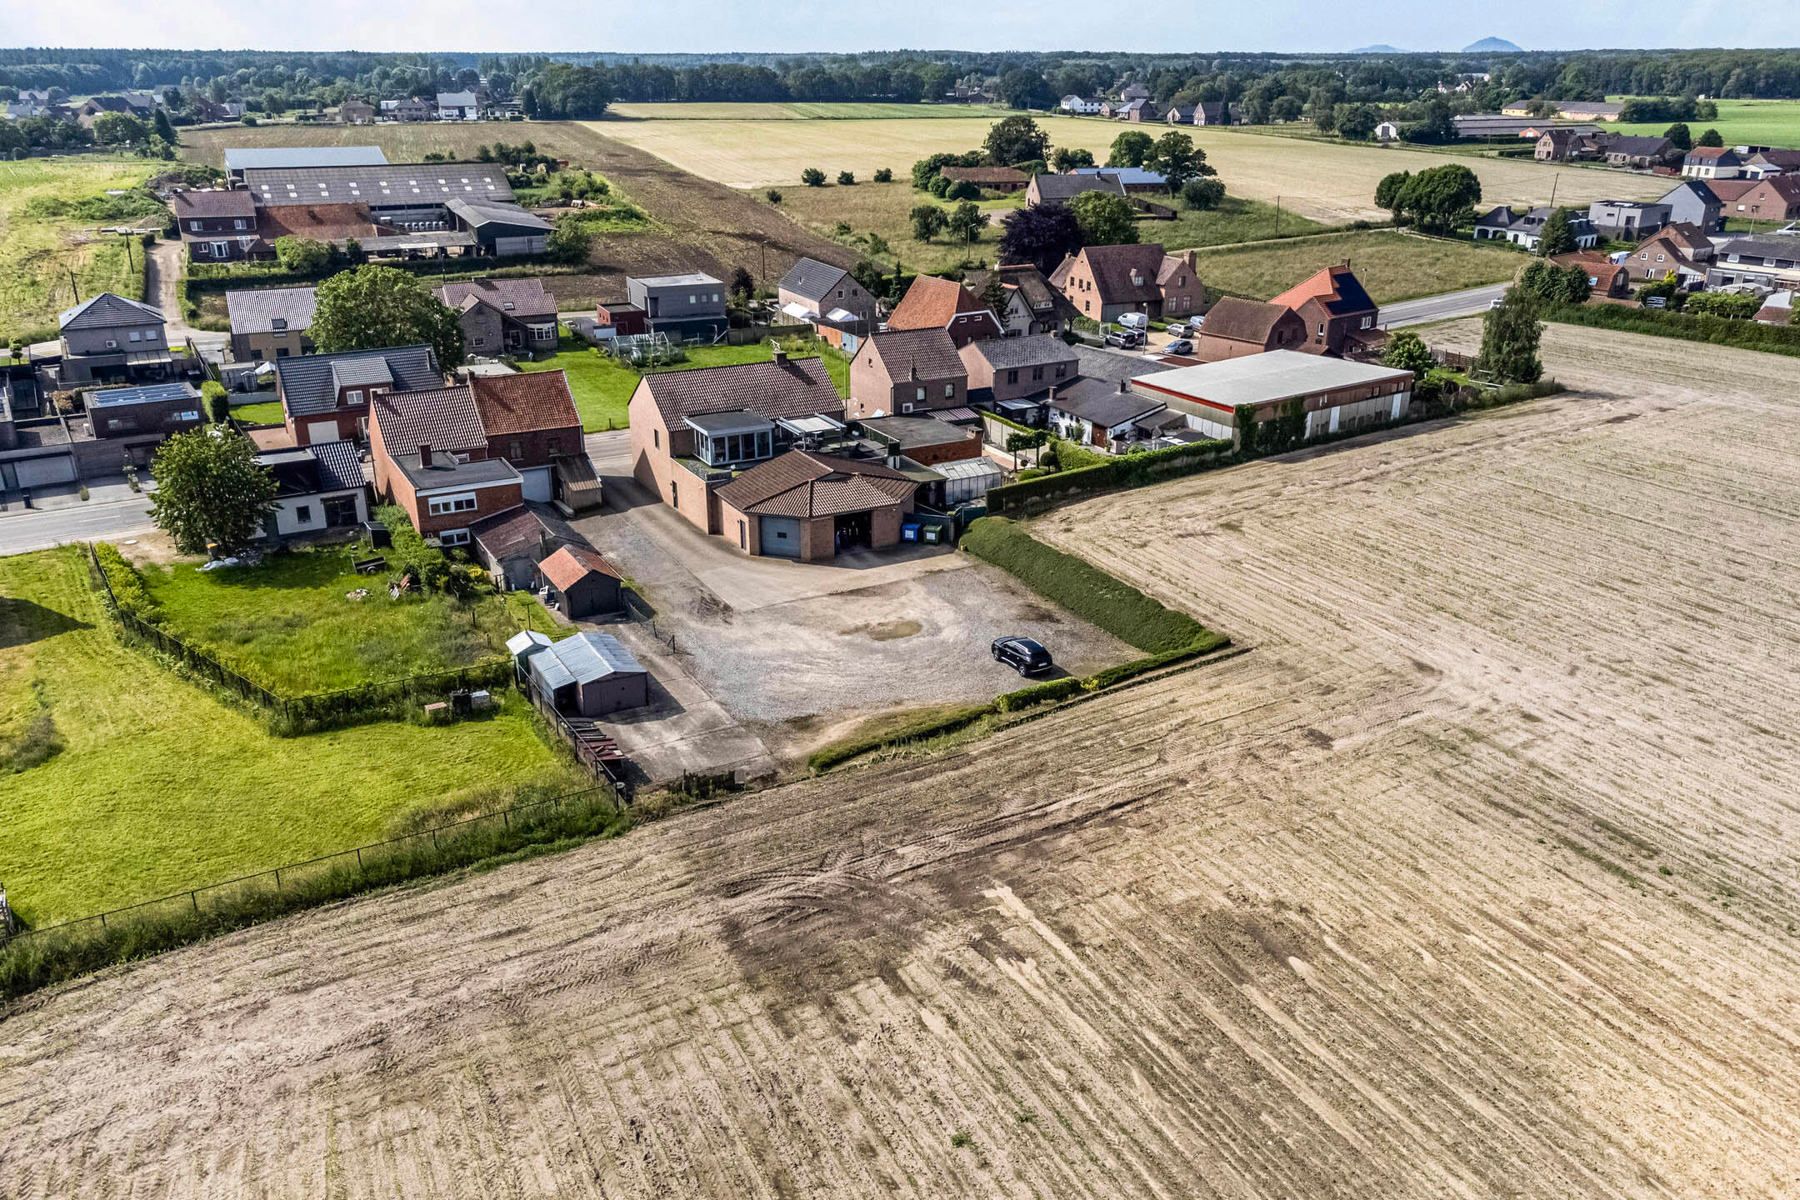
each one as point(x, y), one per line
point(1474, 875)
point(1740, 123)
point(1325, 181)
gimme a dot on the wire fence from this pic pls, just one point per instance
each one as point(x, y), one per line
point(311, 710)
point(358, 862)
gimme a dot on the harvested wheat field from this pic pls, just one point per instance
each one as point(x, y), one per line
point(1474, 876)
point(1326, 181)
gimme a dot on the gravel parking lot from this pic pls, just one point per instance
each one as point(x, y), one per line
point(801, 652)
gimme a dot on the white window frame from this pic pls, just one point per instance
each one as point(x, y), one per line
point(453, 537)
point(449, 505)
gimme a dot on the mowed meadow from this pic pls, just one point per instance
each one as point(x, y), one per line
point(1324, 181)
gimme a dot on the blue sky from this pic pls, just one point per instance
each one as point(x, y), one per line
point(848, 25)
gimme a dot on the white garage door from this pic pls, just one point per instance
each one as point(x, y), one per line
point(322, 431)
point(537, 483)
point(781, 537)
point(41, 472)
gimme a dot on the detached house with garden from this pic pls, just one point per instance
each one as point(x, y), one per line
point(1106, 282)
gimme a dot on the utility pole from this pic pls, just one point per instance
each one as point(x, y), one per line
point(1278, 216)
point(1554, 180)
point(74, 288)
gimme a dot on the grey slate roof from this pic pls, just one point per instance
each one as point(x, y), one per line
point(1064, 187)
point(445, 473)
point(813, 279)
point(1036, 351)
point(362, 372)
point(1101, 403)
point(282, 158)
point(307, 383)
point(256, 310)
point(795, 388)
point(1129, 176)
point(108, 311)
point(516, 297)
point(487, 212)
point(340, 466)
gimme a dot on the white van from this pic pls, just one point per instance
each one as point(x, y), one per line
point(1135, 321)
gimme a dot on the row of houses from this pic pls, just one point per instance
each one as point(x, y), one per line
point(1136, 107)
point(476, 105)
point(343, 195)
point(1702, 205)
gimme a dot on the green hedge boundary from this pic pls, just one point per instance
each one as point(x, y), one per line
point(1692, 327)
point(1169, 637)
point(38, 960)
point(1116, 474)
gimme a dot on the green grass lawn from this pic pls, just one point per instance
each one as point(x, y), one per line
point(39, 250)
point(156, 785)
point(260, 412)
point(287, 624)
point(1392, 266)
point(602, 386)
point(1236, 220)
point(1740, 123)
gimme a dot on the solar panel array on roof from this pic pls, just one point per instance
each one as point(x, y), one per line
point(397, 183)
point(150, 393)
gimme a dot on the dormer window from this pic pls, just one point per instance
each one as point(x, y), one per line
point(353, 396)
point(277, 324)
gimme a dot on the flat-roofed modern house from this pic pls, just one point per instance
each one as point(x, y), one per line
point(812, 506)
point(689, 307)
point(1628, 220)
point(1335, 395)
point(158, 408)
point(503, 316)
point(240, 159)
point(326, 397)
point(317, 488)
point(692, 430)
point(271, 323)
point(109, 339)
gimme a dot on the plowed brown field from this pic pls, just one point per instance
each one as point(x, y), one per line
point(1475, 877)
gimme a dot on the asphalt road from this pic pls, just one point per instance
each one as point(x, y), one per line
point(1468, 303)
point(34, 529)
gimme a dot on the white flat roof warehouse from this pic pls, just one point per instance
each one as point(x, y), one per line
point(1262, 378)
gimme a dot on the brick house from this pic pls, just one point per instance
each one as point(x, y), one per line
point(1776, 198)
point(325, 397)
point(1236, 327)
point(1681, 248)
point(933, 302)
point(503, 316)
point(1335, 309)
point(443, 420)
point(444, 494)
point(271, 323)
point(1032, 305)
point(816, 288)
point(907, 371)
point(530, 421)
point(1106, 282)
point(1005, 369)
point(691, 430)
point(216, 224)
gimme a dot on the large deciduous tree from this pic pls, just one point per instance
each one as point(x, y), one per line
point(1016, 140)
point(1130, 149)
point(1042, 236)
point(928, 221)
point(1067, 158)
point(1105, 219)
point(1406, 351)
point(1510, 333)
point(371, 308)
point(967, 221)
point(1177, 160)
point(210, 491)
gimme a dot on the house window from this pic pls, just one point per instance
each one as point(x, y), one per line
point(553, 446)
point(353, 397)
point(920, 394)
point(454, 537)
point(515, 449)
point(1012, 377)
point(674, 494)
point(440, 506)
point(220, 249)
point(656, 438)
point(949, 391)
point(1037, 373)
point(135, 335)
point(1367, 321)
point(303, 513)
point(1061, 370)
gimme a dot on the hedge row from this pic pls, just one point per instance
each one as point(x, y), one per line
point(1703, 327)
point(127, 585)
point(1122, 471)
point(1084, 589)
point(936, 725)
point(29, 963)
point(217, 277)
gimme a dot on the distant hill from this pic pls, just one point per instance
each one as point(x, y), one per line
point(1493, 45)
point(1383, 48)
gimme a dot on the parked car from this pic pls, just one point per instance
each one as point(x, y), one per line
point(1124, 339)
point(1656, 302)
point(1179, 346)
point(1024, 655)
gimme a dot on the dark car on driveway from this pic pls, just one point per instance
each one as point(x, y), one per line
point(1022, 654)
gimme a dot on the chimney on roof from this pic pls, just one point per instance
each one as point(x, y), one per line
point(1123, 387)
point(424, 454)
point(778, 355)
point(912, 369)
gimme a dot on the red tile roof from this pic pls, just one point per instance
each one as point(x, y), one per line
point(567, 566)
point(524, 403)
point(1336, 287)
point(1729, 190)
point(321, 222)
point(931, 302)
point(442, 418)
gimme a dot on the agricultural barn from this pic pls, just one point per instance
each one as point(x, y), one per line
point(584, 675)
point(1338, 396)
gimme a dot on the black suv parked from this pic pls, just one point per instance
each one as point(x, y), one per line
point(1023, 655)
